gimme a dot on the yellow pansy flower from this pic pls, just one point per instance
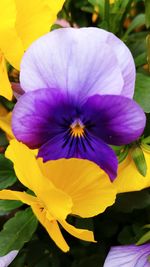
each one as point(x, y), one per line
point(22, 22)
point(129, 179)
point(61, 187)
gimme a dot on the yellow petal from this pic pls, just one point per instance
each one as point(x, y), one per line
point(5, 125)
point(5, 87)
point(22, 22)
point(25, 165)
point(10, 43)
point(28, 172)
point(8, 13)
point(15, 195)
point(89, 187)
point(14, 52)
point(34, 18)
point(57, 202)
point(129, 179)
point(52, 228)
point(82, 234)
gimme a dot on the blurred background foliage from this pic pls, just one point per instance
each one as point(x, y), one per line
point(128, 220)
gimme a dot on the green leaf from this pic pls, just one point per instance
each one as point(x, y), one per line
point(121, 4)
point(117, 13)
point(138, 21)
point(147, 13)
point(136, 43)
point(130, 234)
point(7, 206)
point(7, 174)
point(148, 50)
point(100, 4)
point(17, 231)
point(3, 140)
point(142, 91)
point(145, 238)
point(147, 226)
point(128, 202)
point(107, 12)
point(6, 103)
point(139, 160)
point(141, 59)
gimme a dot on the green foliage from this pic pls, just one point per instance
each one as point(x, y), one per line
point(142, 91)
point(130, 234)
point(139, 159)
point(9, 105)
point(144, 239)
point(17, 231)
point(136, 22)
point(128, 202)
point(147, 8)
point(117, 15)
point(6, 206)
point(7, 174)
point(141, 59)
point(148, 50)
point(100, 5)
point(3, 139)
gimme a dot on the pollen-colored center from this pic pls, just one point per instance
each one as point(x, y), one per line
point(77, 128)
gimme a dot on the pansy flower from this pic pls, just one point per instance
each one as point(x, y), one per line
point(78, 86)
point(128, 256)
point(61, 188)
point(22, 22)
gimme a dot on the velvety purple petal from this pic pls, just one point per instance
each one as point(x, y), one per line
point(124, 57)
point(7, 259)
point(38, 115)
point(117, 120)
point(90, 148)
point(128, 256)
point(59, 147)
point(72, 60)
point(96, 150)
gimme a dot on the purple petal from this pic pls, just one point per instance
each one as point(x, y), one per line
point(90, 148)
point(7, 259)
point(42, 119)
point(116, 119)
point(128, 256)
point(36, 116)
point(72, 60)
point(57, 148)
point(96, 150)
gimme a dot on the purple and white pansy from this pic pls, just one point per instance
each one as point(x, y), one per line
point(128, 256)
point(78, 87)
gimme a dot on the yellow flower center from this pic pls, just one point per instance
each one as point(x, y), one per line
point(77, 128)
